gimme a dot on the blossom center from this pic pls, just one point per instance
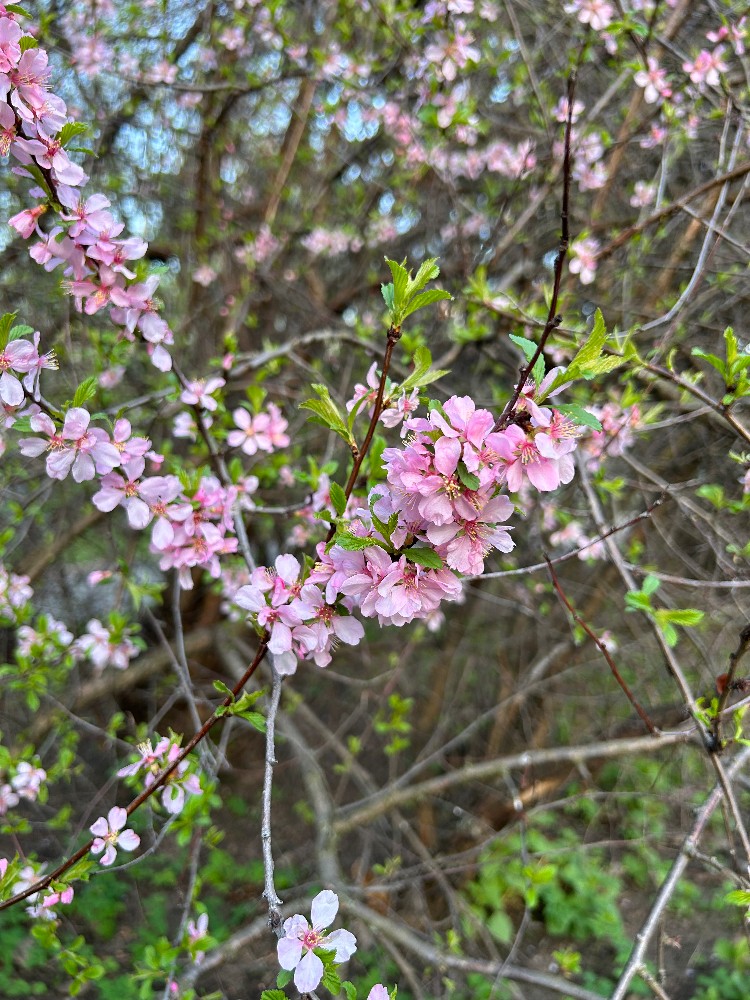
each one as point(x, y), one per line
point(311, 938)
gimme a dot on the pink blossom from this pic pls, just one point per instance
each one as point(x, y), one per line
point(706, 67)
point(198, 393)
point(10, 49)
point(378, 992)
point(25, 222)
point(584, 259)
point(654, 81)
point(64, 896)
point(522, 459)
point(197, 931)
point(596, 13)
point(19, 356)
point(295, 949)
point(98, 646)
point(466, 542)
point(28, 780)
point(109, 835)
point(8, 799)
point(89, 453)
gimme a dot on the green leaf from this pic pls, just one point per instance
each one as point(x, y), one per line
point(732, 347)
point(6, 323)
point(718, 363)
point(221, 687)
point(469, 480)
point(591, 349)
point(15, 8)
point(27, 42)
point(578, 415)
point(422, 374)
point(70, 130)
point(86, 390)
point(428, 271)
point(255, 719)
point(273, 994)
point(670, 635)
point(350, 989)
point(353, 543)
point(424, 557)
point(527, 346)
point(338, 499)
point(284, 977)
point(425, 299)
point(400, 280)
point(650, 585)
point(602, 366)
point(389, 297)
point(326, 412)
point(738, 897)
point(331, 980)
point(682, 616)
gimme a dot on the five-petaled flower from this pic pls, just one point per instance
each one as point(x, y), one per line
point(296, 948)
point(109, 835)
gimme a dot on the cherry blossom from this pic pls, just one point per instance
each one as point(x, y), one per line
point(596, 13)
point(295, 949)
point(109, 835)
point(654, 81)
point(583, 262)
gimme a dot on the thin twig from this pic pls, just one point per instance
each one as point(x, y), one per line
point(643, 938)
point(553, 320)
point(269, 891)
point(604, 651)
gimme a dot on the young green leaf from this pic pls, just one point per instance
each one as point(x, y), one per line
point(69, 131)
point(6, 323)
point(578, 415)
point(425, 299)
point(353, 543)
point(338, 499)
point(527, 346)
point(424, 557)
point(86, 390)
point(469, 480)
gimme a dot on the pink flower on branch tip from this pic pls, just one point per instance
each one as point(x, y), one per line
point(296, 949)
point(109, 835)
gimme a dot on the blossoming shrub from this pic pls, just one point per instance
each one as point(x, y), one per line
point(289, 505)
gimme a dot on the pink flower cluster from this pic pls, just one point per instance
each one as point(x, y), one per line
point(194, 531)
point(445, 484)
point(76, 447)
point(153, 760)
point(616, 435)
point(87, 242)
point(300, 620)
point(100, 645)
point(443, 490)
point(25, 784)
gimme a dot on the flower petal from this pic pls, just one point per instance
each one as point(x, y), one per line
point(325, 906)
point(308, 973)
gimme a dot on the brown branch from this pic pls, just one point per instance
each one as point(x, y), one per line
point(553, 320)
point(160, 780)
point(664, 213)
point(603, 650)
